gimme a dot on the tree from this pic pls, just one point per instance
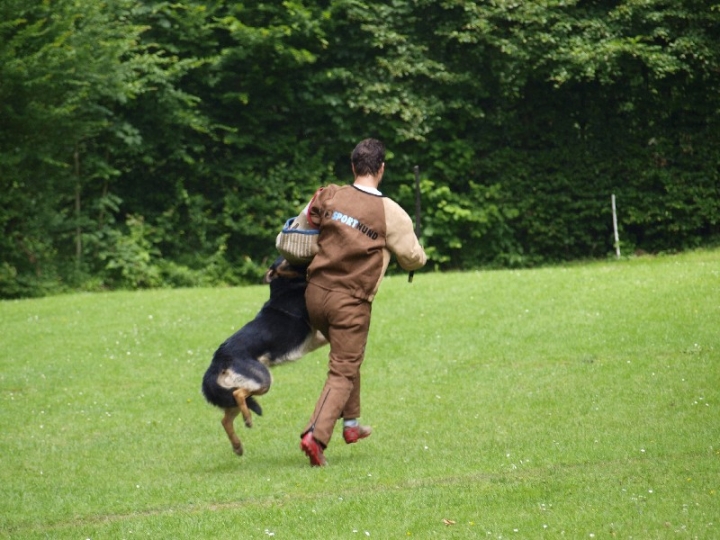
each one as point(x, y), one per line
point(64, 67)
point(155, 143)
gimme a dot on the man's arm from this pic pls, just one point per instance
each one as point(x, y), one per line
point(401, 239)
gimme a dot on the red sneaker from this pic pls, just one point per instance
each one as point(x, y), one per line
point(352, 434)
point(313, 450)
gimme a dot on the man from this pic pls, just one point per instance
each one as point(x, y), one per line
point(359, 229)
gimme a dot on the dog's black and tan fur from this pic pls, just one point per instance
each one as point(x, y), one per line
point(279, 333)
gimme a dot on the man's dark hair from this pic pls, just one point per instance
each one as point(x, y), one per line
point(368, 156)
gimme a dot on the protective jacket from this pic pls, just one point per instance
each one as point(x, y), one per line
point(358, 233)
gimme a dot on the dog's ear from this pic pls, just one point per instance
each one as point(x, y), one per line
point(269, 275)
point(272, 272)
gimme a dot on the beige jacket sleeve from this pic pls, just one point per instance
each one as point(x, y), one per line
point(401, 239)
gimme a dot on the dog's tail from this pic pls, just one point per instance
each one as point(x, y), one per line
point(253, 405)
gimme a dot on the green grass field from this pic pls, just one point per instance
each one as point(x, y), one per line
point(568, 402)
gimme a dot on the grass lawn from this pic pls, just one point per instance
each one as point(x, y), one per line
point(567, 402)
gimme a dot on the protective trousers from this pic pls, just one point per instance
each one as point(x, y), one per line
point(345, 321)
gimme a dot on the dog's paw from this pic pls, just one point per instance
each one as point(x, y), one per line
point(248, 423)
point(238, 448)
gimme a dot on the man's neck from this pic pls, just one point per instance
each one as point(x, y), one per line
point(368, 181)
point(367, 189)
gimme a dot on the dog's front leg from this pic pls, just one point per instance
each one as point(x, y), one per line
point(228, 422)
point(240, 394)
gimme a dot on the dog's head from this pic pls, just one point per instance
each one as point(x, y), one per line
point(285, 271)
point(287, 288)
point(282, 274)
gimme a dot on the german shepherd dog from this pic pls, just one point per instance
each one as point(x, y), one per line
point(279, 333)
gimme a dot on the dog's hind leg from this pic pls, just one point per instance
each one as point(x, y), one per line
point(240, 394)
point(316, 341)
point(228, 422)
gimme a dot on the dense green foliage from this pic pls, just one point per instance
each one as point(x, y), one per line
point(147, 143)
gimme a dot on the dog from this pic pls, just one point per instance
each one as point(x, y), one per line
point(279, 333)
